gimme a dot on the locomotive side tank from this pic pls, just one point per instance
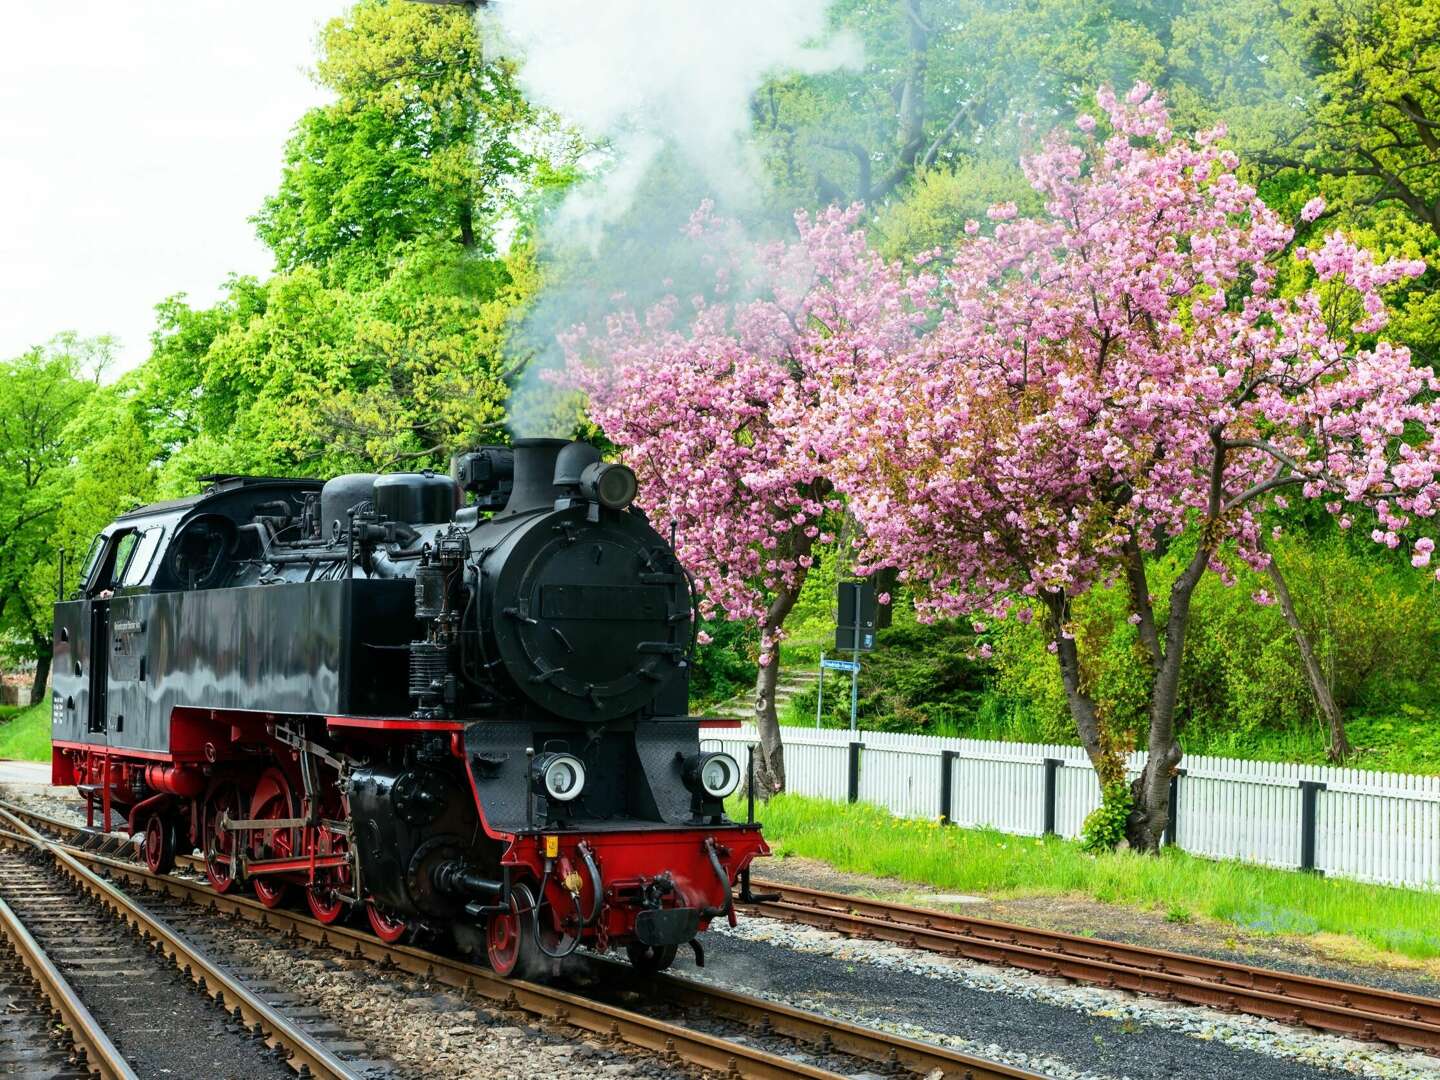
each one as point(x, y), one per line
point(457, 702)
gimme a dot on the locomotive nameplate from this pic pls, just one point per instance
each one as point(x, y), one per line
point(637, 603)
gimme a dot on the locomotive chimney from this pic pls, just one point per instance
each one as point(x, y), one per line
point(534, 475)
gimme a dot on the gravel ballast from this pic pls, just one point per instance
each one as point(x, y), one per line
point(1053, 1027)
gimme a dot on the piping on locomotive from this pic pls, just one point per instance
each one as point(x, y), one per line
point(468, 717)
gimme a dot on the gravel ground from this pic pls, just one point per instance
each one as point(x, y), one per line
point(435, 1032)
point(1050, 1026)
point(31, 1044)
point(61, 803)
point(426, 1029)
point(155, 1016)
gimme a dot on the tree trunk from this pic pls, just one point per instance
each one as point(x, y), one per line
point(1150, 791)
point(1150, 807)
point(1107, 764)
point(770, 752)
point(467, 225)
point(44, 646)
point(1339, 748)
point(42, 677)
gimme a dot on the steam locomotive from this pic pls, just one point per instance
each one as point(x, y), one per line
point(457, 702)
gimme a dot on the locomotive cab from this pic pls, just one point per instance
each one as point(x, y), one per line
point(461, 700)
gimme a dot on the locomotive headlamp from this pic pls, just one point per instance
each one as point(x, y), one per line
point(714, 775)
point(610, 484)
point(558, 776)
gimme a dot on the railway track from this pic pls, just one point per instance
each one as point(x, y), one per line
point(768, 1041)
point(151, 993)
point(1406, 1020)
point(45, 1029)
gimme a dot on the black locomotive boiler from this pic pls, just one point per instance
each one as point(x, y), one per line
point(453, 701)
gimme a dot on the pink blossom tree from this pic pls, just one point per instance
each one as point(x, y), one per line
point(712, 402)
point(1117, 373)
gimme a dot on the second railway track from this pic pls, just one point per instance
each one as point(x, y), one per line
point(1406, 1020)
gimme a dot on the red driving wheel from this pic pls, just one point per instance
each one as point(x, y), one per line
point(323, 896)
point(159, 844)
point(387, 929)
point(224, 800)
point(272, 801)
point(507, 936)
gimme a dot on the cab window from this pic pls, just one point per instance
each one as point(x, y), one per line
point(97, 548)
point(142, 556)
point(124, 552)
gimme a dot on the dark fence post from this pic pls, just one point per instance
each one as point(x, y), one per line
point(1052, 776)
point(947, 785)
point(1172, 823)
point(854, 795)
point(1309, 800)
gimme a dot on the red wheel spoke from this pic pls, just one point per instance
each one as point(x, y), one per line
point(387, 929)
point(224, 800)
point(323, 895)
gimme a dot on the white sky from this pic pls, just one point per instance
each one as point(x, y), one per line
point(136, 138)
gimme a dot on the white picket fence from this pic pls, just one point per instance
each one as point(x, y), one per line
point(1370, 826)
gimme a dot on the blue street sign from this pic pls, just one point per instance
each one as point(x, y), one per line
point(840, 665)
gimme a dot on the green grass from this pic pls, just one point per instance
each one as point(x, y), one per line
point(25, 732)
point(866, 839)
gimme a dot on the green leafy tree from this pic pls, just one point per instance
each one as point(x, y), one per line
point(301, 376)
point(933, 210)
point(70, 459)
point(381, 342)
point(1372, 118)
point(945, 82)
point(427, 138)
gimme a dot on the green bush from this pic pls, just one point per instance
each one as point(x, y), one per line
point(724, 667)
point(1104, 826)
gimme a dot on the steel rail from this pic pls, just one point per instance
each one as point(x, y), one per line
point(306, 1053)
point(1408, 1020)
point(101, 1056)
point(694, 1047)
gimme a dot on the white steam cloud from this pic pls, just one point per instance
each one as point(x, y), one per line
point(665, 86)
point(655, 75)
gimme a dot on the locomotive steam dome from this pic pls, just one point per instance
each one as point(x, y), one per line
point(589, 616)
point(416, 498)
